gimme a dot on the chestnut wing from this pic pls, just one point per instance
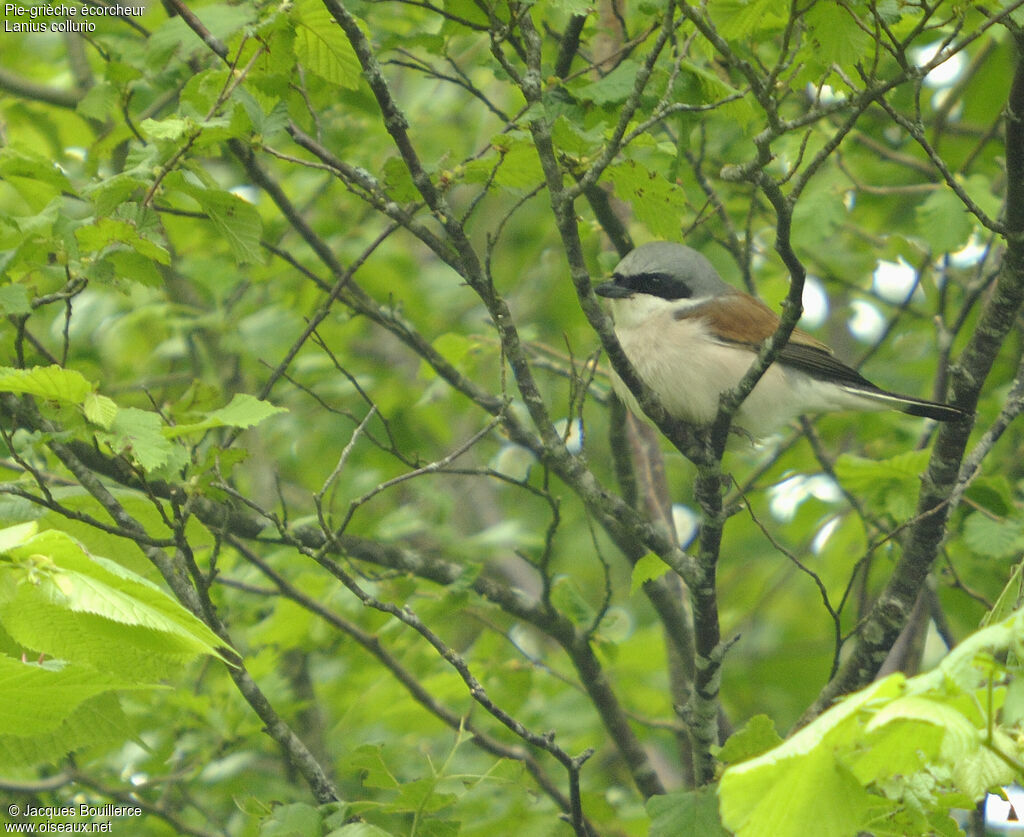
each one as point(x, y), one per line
point(742, 320)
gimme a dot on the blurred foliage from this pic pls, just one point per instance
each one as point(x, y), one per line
point(177, 216)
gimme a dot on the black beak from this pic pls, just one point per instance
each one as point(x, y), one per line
point(612, 290)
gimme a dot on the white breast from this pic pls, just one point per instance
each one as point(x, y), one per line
point(689, 370)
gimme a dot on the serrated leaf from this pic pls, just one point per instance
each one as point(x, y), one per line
point(685, 812)
point(889, 484)
point(172, 128)
point(321, 45)
point(520, 167)
point(658, 203)
point(99, 409)
point(133, 266)
point(421, 795)
point(613, 88)
point(368, 761)
point(111, 192)
point(35, 699)
point(51, 382)
point(774, 801)
point(108, 231)
point(97, 719)
point(1010, 598)
point(993, 537)
point(243, 411)
point(646, 569)
point(86, 584)
point(714, 89)
point(14, 300)
point(959, 735)
point(943, 221)
point(236, 220)
point(13, 536)
point(741, 18)
point(756, 737)
point(889, 733)
point(980, 769)
point(835, 36)
point(567, 598)
point(34, 176)
point(99, 102)
point(139, 434)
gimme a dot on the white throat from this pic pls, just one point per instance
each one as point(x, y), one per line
point(634, 311)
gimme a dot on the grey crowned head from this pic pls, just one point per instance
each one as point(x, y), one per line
point(664, 269)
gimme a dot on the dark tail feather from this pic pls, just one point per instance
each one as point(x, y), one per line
point(930, 409)
point(907, 404)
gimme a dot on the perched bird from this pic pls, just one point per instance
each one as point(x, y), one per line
point(690, 337)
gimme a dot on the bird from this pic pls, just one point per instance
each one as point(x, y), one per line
point(691, 336)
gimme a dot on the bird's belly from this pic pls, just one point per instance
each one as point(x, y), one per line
point(691, 371)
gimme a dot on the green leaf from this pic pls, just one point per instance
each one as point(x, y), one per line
point(820, 213)
point(135, 267)
point(108, 231)
point(943, 221)
point(94, 721)
point(173, 128)
point(398, 181)
point(741, 18)
point(885, 752)
point(421, 795)
point(757, 736)
point(909, 736)
point(111, 192)
point(567, 598)
point(993, 537)
point(99, 102)
point(979, 769)
point(140, 434)
point(99, 409)
point(68, 583)
point(322, 47)
point(772, 793)
point(33, 175)
point(984, 194)
point(786, 798)
point(13, 536)
point(613, 88)
point(835, 36)
point(519, 168)
point(14, 300)
point(1009, 598)
point(35, 699)
point(646, 569)
point(361, 829)
point(659, 204)
point(685, 812)
point(888, 484)
point(243, 411)
point(236, 220)
point(292, 820)
point(51, 382)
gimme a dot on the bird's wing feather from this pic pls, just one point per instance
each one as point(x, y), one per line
point(742, 320)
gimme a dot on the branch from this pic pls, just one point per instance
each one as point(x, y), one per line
point(27, 89)
point(372, 644)
point(175, 574)
point(894, 605)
